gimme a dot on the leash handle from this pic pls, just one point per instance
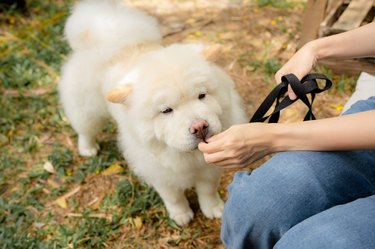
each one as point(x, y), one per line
point(307, 85)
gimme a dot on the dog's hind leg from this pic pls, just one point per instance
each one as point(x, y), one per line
point(87, 127)
point(86, 112)
point(83, 102)
point(87, 145)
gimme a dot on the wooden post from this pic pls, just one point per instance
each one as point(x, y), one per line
point(313, 15)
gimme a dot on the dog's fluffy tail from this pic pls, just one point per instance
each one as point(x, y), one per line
point(109, 24)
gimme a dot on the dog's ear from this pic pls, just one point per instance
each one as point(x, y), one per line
point(119, 93)
point(212, 52)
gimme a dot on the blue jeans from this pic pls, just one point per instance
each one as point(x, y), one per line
point(305, 199)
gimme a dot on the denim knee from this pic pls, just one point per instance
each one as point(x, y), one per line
point(289, 188)
point(347, 226)
point(361, 106)
point(251, 218)
point(262, 206)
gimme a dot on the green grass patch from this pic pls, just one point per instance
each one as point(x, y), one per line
point(34, 130)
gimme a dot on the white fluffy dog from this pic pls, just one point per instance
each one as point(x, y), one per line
point(165, 101)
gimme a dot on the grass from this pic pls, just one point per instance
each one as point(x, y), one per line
point(50, 197)
point(34, 131)
point(274, 3)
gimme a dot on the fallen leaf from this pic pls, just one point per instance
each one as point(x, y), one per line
point(138, 222)
point(338, 107)
point(112, 170)
point(49, 167)
point(39, 225)
point(198, 33)
point(62, 202)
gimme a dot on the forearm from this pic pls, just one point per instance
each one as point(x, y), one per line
point(243, 144)
point(355, 43)
point(348, 132)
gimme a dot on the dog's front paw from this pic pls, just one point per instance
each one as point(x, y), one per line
point(87, 148)
point(213, 210)
point(182, 219)
point(88, 152)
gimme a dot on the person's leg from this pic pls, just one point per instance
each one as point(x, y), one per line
point(291, 187)
point(365, 88)
point(345, 226)
point(361, 106)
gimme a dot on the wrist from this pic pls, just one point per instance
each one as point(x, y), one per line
point(287, 137)
point(316, 50)
point(323, 48)
point(276, 137)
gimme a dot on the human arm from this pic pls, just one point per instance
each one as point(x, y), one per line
point(243, 144)
point(355, 43)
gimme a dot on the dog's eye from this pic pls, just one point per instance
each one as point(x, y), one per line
point(167, 110)
point(201, 96)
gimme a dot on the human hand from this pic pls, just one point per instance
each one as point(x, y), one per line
point(239, 145)
point(300, 65)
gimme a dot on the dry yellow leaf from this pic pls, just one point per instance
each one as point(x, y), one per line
point(62, 202)
point(338, 107)
point(69, 173)
point(112, 170)
point(138, 222)
point(198, 33)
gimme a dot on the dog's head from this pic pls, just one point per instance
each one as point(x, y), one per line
point(176, 97)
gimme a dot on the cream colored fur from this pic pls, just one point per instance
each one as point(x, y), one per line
point(117, 53)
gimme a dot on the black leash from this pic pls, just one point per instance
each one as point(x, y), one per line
point(308, 85)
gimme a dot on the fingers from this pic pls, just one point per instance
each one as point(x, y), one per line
point(214, 158)
point(220, 159)
point(214, 143)
point(226, 149)
point(223, 160)
point(291, 93)
point(212, 146)
point(214, 152)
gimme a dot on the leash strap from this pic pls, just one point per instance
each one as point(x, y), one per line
point(307, 85)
